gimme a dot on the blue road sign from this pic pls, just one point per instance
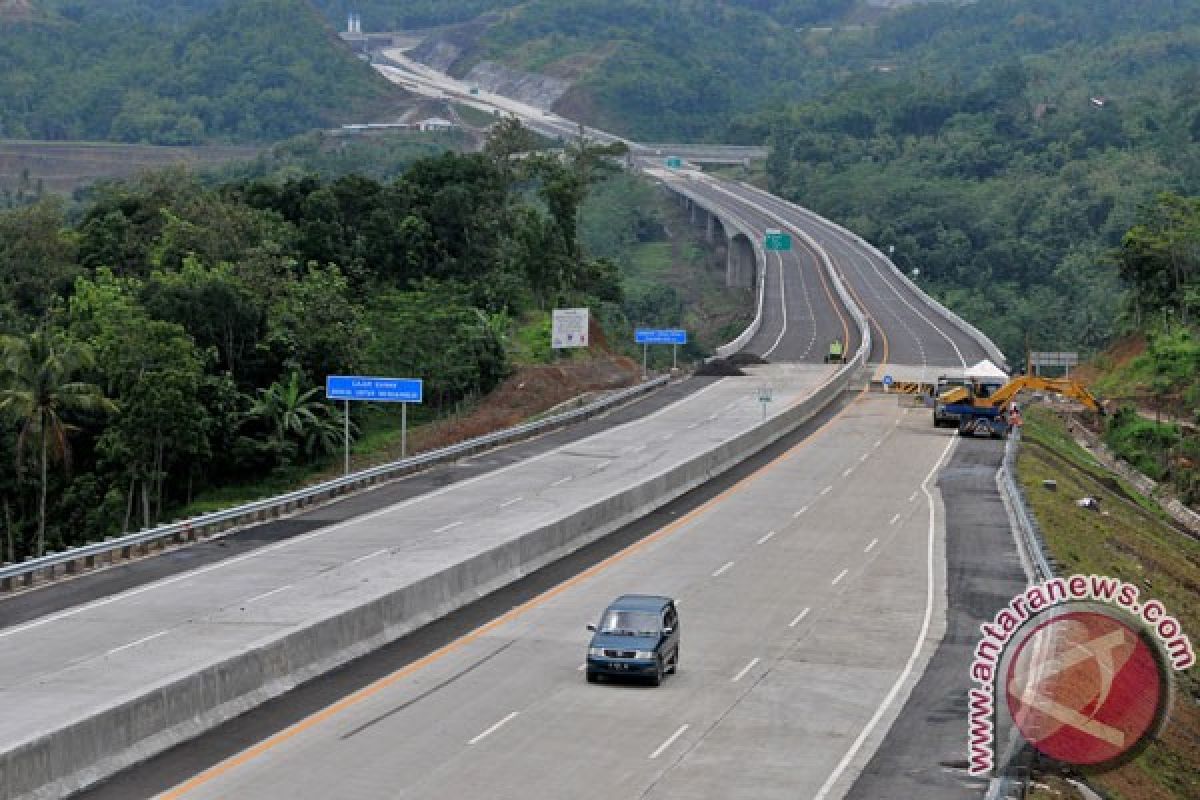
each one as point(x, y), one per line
point(651, 336)
point(378, 390)
point(887, 380)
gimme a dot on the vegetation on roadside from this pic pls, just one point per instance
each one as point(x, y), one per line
point(200, 321)
point(1127, 540)
point(1155, 394)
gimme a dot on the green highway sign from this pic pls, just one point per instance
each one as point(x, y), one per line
point(778, 240)
point(674, 162)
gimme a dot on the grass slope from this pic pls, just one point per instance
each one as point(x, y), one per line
point(1130, 541)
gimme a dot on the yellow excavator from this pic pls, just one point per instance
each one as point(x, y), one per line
point(982, 410)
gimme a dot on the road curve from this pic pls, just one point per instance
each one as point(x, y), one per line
point(810, 592)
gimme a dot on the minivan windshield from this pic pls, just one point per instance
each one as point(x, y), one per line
point(629, 623)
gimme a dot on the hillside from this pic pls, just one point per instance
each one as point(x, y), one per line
point(178, 73)
point(1006, 167)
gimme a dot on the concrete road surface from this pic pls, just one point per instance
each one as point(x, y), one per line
point(810, 597)
point(65, 666)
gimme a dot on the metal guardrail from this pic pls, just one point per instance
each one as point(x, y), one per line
point(1030, 533)
point(1014, 780)
point(77, 559)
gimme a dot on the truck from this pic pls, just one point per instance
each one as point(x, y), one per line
point(982, 411)
point(941, 417)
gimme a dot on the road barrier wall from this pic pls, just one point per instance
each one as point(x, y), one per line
point(734, 223)
point(987, 344)
point(134, 728)
point(112, 550)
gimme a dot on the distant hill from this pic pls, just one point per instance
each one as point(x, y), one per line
point(677, 69)
point(180, 73)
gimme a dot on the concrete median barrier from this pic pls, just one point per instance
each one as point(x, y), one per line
point(134, 728)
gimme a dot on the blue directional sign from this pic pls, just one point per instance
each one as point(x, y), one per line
point(887, 380)
point(377, 390)
point(651, 336)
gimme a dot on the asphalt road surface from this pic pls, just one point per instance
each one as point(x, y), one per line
point(983, 574)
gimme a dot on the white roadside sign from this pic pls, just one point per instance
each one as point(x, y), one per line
point(569, 328)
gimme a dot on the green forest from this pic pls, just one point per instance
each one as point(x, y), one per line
point(247, 71)
point(173, 336)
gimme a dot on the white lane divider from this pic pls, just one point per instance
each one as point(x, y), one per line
point(826, 788)
point(744, 670)
point(494, 728)
point(871, 546)
point(801, 511)
point(603, 465)
point(912, 498)
point(728, 566)
point(841, 575)
point(895, 519)
point(864, 457)
point(445, 528)
point(799, 618)
point(693, 425)
point(143, 640)
point(766, 538)
point(846, 473)
point(512, 502)
point(879, 444)
point(561, 481)
point(783, 307)
point(265, 595)
point(670, 741)
point(826, 490)
point(581, 668)
point(370, 555)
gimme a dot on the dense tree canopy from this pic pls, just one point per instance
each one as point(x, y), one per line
point(176, 335)
point(250, 70)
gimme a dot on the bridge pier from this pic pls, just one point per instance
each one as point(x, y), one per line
point(740, 263)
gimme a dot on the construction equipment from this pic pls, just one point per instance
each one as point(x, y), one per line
point(941, 418)
point(983, 409)
point(837, 353)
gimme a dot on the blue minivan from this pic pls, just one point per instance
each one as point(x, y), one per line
point(638, 636)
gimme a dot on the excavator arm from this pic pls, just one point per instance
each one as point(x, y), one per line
point(1034, 383)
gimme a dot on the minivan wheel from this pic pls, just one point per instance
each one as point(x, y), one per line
point(674, 668)
point(657, 678)
point(593, 677)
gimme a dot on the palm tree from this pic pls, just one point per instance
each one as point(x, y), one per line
point(297, 415)
point(38, 391)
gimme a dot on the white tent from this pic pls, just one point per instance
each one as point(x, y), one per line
point(986, 372)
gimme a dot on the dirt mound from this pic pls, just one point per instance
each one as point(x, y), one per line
point(1118, 354)
point(745, 359)
point(530, 391)
point(719, 367)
